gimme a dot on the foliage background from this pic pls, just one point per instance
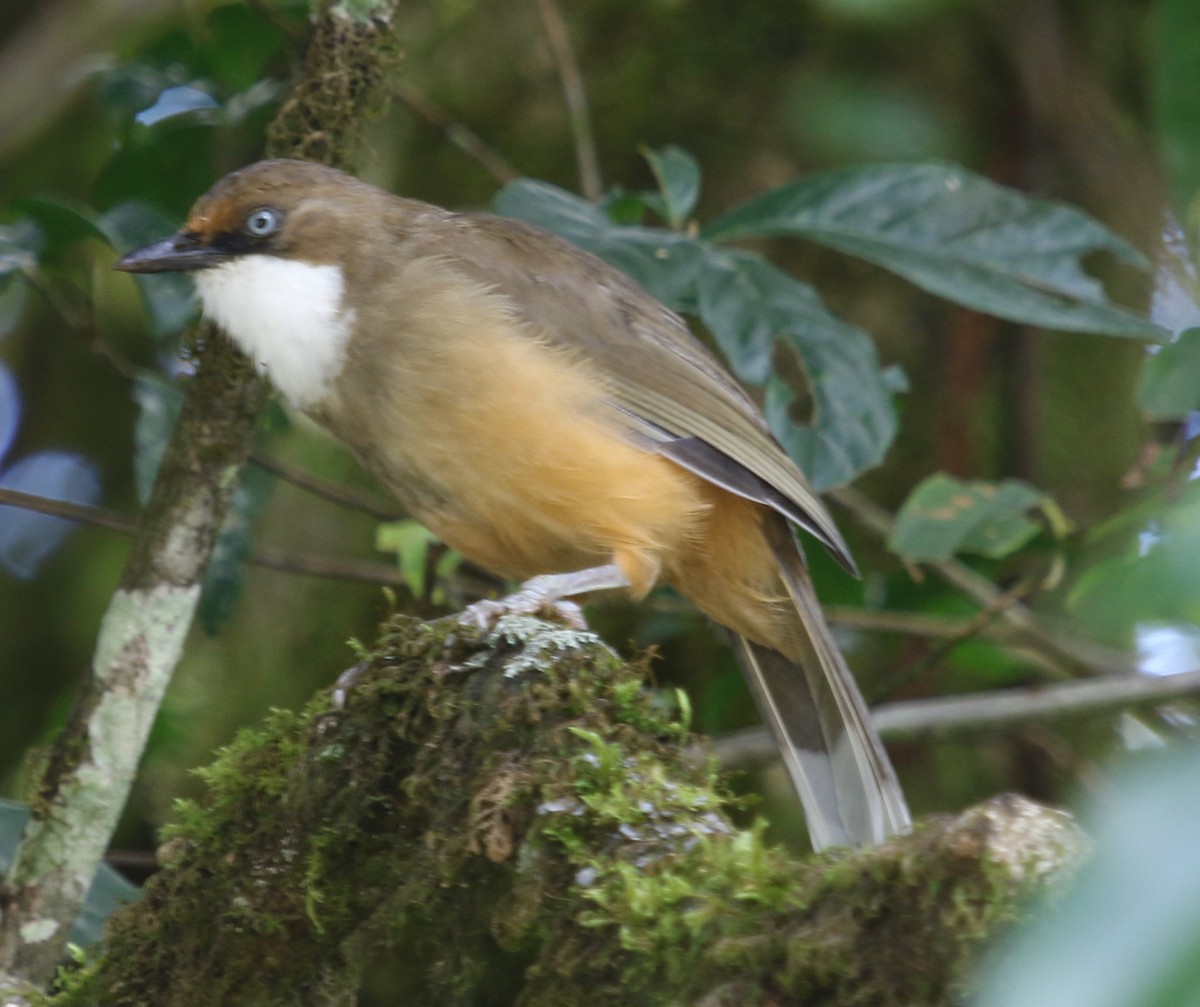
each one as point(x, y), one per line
point(1052, 97)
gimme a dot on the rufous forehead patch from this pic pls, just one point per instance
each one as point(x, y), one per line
point(212, 217)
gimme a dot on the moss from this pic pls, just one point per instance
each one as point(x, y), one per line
point(540, 826)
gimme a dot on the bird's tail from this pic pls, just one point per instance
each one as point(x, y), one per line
point(816, 714)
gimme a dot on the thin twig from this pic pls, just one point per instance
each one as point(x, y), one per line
point(364, 571)
point(1092, 657)
point(575, 94)
point(995, 710)
point(364, 502)
point(465, 139)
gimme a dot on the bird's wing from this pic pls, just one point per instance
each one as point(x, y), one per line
point(675, 395)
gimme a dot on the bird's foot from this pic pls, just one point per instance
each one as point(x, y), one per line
point(531, 599)
point(546, 596)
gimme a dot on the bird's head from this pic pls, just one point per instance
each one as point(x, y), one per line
point(270, 248)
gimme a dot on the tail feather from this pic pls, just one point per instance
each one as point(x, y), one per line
point(813, 708)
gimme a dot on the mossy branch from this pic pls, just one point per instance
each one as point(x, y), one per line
point(515, 805)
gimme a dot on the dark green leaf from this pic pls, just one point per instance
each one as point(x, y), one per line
point(108, 892)
point(169, 297)
point(1170, 383)
point(748, 305)
point(158, 403)
point(955, 234)
point(1125, 933)
point(241, 40)
point(678, 177)
point(62, 223)
point(943, 516)
point(1176, 95)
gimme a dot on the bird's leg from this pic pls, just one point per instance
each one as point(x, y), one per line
point(545, 595)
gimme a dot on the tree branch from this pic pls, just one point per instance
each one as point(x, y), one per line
point(575, 93)
point(1059, 645)
point(516, 805)
point(987, 710)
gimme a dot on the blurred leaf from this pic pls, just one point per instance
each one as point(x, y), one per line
point(239, 43)
point(1175, 41)
point(166, 167)
point(955, 234)
point(159, 402)
point(1125, 932)
point(226, 571)
point(14, 295)
point(169, 297)
point(108, 892)
point(748, 305)
point(843, 117)
point(1155, 579)
point(1170, 384)
point(27, 538)
point(943, 516)
point(678, 177)
point(20, 245)
point(10, 410)
point(410, 541)
point(176, 101)
point(62, 223)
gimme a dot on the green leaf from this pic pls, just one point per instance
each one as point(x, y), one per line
point(410, 541)
point(1170, 384)
point(62, 223)
point(678, 177)
point(239, 43)
point(1175, 43)
point(1125, 932)
point(957, 235)
point(749, 306)
point(108, 892)
point(944, 515)
point(1155, 579)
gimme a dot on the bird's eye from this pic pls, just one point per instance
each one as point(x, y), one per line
point(262, 222)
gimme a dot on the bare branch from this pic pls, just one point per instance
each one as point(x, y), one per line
point(994, 710)
point(464, 138)
point(575, 94)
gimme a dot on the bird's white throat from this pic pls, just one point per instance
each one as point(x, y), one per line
point(287, 315)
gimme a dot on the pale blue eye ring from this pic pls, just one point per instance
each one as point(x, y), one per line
point(262, 222)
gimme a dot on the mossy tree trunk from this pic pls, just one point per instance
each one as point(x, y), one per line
point(512, 815)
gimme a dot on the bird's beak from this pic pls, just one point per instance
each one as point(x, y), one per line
point(179, 253)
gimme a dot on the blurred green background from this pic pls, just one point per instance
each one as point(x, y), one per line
point(1066, 100)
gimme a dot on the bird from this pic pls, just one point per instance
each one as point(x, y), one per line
point(540, 412)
